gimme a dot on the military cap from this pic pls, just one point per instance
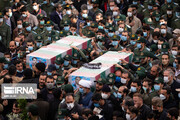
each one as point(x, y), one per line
point(110, 81)
point(134, 36)
point(90, 34)
point(67, 57)
point(141, 70)
point(165, 47)
point(1, 15)
point(136, 59)
point(60, 80)
point(156, 14)
point(76, 56)
point(68, 33)
point(68, 7)
point(89, 49)
point(39, 38)
point(141, 40)
point(40, 16)
point(147, 21)
point(101, 38)
point(25, 24)
point(115, 38)
point(62, 113)
point(49, 23)
point(111, 75)
point(153, 48)
point(101, 31)
point(62, 33)
point(111, 29)
point(55, 37)
point(95, 1)
point(158, 80)
point(66, 23)
point(169, 7)
point(59, 60)
point(94, 25)
point(120, 18)
point(107, 25)
point(101, 81)
point(3, 60)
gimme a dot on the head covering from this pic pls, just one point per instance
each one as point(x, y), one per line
point(68, 88)
point(41, 67)
point(85, 83)
point(106, 88)
point(51, 68)
point(33, 109)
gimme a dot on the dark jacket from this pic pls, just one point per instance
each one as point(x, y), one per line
point(29, 80)
point(144, 112)
point(76, 109)
point(56, 19)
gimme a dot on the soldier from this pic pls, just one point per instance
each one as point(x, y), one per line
point(165, 6)
point(37, 10)
point(59, 65)
point(38, 41)
point(47, 7)
point(95, 9)
point(141, 46)
point(176, 23)
point(5, 35)
point(115, 46)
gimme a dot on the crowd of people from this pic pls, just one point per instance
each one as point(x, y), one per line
point(146, 88)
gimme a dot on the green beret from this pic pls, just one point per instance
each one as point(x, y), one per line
point(159, 80)
point(67, 57)
point(25, 24)
point(115, 38)
point(49, 23)
point(40, 16)
point(141, 40)
point(101, 81)
point(59, 60)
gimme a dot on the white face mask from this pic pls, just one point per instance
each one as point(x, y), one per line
point(162, 97)
point(169, 12)
point(155, 41)
point(129, 14)
point(70, 105)
point(166, 79)
point(174, 52)
point(104, 96)
point(68, 12)
point(19, 26)
point(8, 59)
point(121, 29)
point(123, 81)
point(35, 7)
point(1, 20)
point(159, 46)
point(128, 117)
point(115, 13)
point(17, 44)
point(123, 109)
point(111, 8)
point(89, 7)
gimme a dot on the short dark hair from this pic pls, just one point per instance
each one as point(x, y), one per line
point(50, 77)
point(133, 109)
point(168, 89)
point(156, 34)
point(24, 9)
point(70, 94)
point(12, 70)
point(96, 97)
point(174, 112)
point(148, 80)
point(73, 25)
point(129, 101)
point(137, 81)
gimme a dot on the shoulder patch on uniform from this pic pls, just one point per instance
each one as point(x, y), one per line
point(35, 28)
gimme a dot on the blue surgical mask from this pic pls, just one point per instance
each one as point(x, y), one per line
point(42, 22)
point(66, 63)
point(49, 28)
point(157, 18)
point(110, 34)
point(28, 28)
point(44, 2)
point(49, 73)
point(135, 3)
point(38, 44)
point(145, 34)
point(100, 43)
point(74, 62)
point(66, 28)
point(88, 23)
point(169, 1)
point(163, 31)
point(49, 38)
point(133, 89)
point(139, 45)
point(81, 90)
point(132, 42)
point(174, 65)
point(30, 48)
point(119, 95)
point(123, 38)
point(24, 15)
point(145, 89)
point(100, 27)
point(20, 71)
point(84, 15)
point(6, 66)
point(57, 66)
point(68, 12)
point(150, 7)
point(106, 30)
point(118, 79)
point(96, 105)
point(179, 95)
point(156, 87)
point(114, 43)
point(178, 14)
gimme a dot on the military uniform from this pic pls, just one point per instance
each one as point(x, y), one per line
point(59, 61)
point(39, 41)
point(48, 8)
point(115, 38)
point(165, 6)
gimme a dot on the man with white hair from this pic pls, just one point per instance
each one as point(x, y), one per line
point(169, 80)
point(85, 93)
